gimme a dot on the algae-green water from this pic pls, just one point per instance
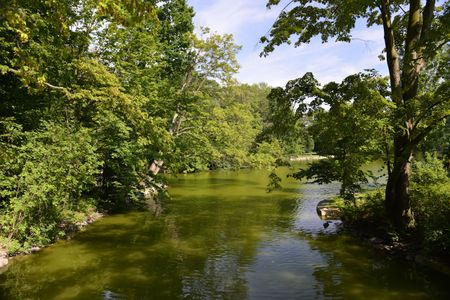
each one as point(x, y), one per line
point(220, 236)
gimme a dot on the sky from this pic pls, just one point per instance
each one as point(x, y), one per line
point(248, 20)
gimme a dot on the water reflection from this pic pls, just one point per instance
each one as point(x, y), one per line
point(221, 237)
point(352, 271)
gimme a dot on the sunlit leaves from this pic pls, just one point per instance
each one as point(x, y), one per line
point(352, 131)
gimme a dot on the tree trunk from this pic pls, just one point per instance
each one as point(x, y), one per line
point(397, 204)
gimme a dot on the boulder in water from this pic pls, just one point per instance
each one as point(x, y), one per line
point(328, 210)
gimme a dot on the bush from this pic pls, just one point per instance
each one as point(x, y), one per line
point(43, 181)
point(430, 193)
point(366, 212)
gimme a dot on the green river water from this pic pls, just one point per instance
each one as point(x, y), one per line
point(221, 236)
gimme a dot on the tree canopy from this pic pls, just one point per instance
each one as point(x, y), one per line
point(95, 94)
point(415, 35)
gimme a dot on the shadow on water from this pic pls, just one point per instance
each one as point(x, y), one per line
point(197, 250)
point(221, 237)
point(353, 271)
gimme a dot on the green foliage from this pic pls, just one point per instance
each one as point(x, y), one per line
point(46, 175)
point(351, 132)
point(438, 141)
point(266, 154)
point(285, 119)
point(215, 57)
point(274, 182)
point(302, 20)
point(416, 46)
point(366, 213)
point(83, 85)
point(430, 191)
point(222, 130)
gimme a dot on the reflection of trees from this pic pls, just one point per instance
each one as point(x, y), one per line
point(226, 236)
point(116, 258)
point(200, 246)
point(355, 271)
point(221, 276)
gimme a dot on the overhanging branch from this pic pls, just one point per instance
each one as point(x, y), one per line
point(55, 87)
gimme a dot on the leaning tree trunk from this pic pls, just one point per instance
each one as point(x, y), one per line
point(398, 206)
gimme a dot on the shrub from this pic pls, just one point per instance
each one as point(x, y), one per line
point(430, 191)
point(366, 212)
point(44, 179)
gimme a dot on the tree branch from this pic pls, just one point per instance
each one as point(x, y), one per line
point(55, 87)
point(427, 130)
point(392, 57)
point(423, 115)
point(279, 15)
point(427, 17)
point(185, 130)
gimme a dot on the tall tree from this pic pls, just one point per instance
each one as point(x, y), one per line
point(413, 33)
point(350, 132)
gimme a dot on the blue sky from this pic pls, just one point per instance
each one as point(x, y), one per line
point(248, 20)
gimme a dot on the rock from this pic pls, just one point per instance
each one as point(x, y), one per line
point(3, 258)
point(3, 261)
point(328, 210)
point(34, 249)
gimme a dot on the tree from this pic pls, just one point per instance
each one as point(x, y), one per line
point(212, 63)
point(351, 132)
point(413, 35)
point(77, 125)
point(221, 130)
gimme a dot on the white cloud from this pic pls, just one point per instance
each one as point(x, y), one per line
point(225, 16)
point(248, 20)
point(328, 62)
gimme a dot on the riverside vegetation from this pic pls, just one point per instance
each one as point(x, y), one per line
point(369, 115)
point(95, 94)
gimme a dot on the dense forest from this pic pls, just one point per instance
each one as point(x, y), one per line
point(98, 96)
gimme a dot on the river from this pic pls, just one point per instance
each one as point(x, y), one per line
point(221, 236)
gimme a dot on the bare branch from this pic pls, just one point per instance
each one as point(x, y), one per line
point(55, 87)
point(400, 7)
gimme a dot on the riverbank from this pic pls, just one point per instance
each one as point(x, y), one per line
point(7, 252)
point(3, 257)
point(404, 248)
point(365, 220)
point(307, 157)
